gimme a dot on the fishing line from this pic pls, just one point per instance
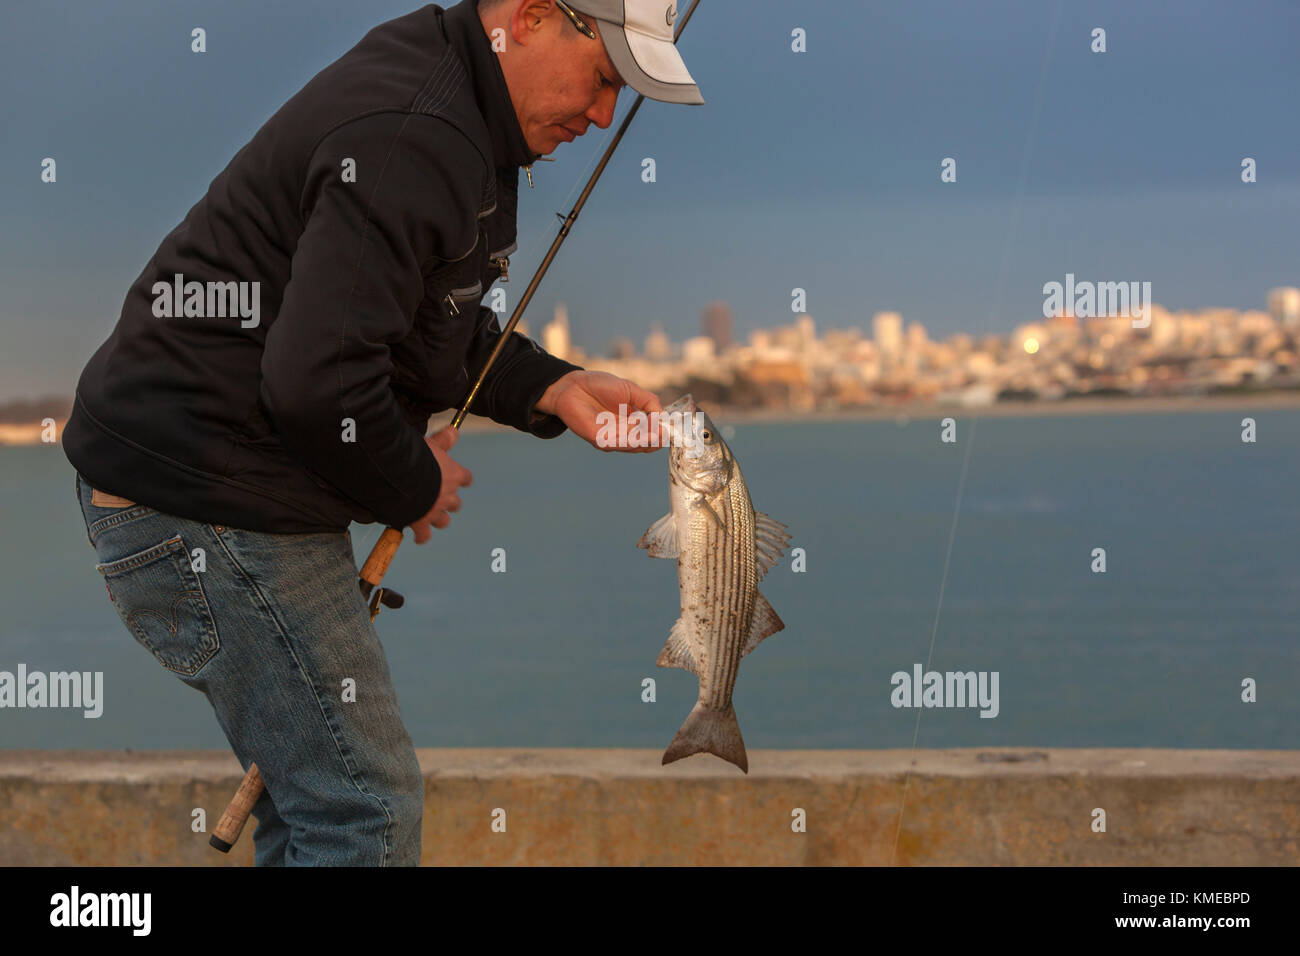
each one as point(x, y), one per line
point(546, 233)
point(1017, 204)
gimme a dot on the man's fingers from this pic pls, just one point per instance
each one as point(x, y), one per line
point(641, 398)
point(442, 520)
point(453, 503)
point(645, 399)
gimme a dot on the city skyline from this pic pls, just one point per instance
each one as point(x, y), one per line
point(1141, 353)
point(1142, 350)
point(1281, 303)
point(818, 169)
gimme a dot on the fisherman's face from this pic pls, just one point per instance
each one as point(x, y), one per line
point(561, 82)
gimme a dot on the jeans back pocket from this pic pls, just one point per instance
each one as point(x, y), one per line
point(160, 600)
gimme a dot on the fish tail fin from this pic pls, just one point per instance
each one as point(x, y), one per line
point(708, 730)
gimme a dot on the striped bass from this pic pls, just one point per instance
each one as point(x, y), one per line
point(723, 548)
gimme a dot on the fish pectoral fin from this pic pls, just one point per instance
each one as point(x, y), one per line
point(703, 502)
point(766, 623)
point(677, 652)
point(770, 539)
point(661, 538)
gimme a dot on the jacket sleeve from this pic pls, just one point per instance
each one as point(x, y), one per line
point(517, 380)
point(355, 286)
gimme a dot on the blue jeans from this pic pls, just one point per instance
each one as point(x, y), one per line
point(272, 628)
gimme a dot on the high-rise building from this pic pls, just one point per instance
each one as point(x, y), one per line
point(555, 334)
point(887, 330)
point(1284, 305)
point(716, 323)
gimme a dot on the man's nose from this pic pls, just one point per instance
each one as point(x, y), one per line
point(601, 112)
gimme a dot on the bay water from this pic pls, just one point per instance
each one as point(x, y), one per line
point(1201, 592)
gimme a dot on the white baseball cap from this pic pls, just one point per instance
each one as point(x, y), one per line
point(638, 37)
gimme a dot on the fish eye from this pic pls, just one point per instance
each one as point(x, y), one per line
point(706, 435)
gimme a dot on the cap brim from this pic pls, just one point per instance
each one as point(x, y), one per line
point(651, 66)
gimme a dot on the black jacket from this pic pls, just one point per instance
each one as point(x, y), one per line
point(368, 291)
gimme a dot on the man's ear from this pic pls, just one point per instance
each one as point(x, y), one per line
point(529, 19)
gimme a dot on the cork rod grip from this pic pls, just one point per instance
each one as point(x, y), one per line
point(232, 821)
point(381, 555)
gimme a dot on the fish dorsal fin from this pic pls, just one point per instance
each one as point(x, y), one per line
point(677, 652)
point(766, 623)
point(661, 538)
point(770, 539)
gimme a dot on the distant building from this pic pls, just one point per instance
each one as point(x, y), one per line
point(622, 349)
point(887, 330)
point(807, 331)
point(657, 346)
point(1284, 305)
point(716, 323)
point(787, 337)
point(555, 334)
point(781, 384)
point(916, 336)
point(698, 350)
point(1164, 327)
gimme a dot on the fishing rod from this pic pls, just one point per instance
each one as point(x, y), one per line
point(372, 572)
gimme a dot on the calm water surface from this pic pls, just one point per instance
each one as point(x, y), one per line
point(1202, 590)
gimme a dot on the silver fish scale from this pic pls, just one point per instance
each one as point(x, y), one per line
point(718, 578)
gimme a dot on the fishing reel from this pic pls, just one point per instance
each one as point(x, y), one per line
point(380, 598)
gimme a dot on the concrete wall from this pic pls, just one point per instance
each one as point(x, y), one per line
point(1000, 806)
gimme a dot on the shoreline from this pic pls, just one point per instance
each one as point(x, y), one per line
point(12, 435)
point(1119, 405)
point(1263, 401)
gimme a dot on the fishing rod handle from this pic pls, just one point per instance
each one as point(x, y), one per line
point(381, 556)
point(232, 821)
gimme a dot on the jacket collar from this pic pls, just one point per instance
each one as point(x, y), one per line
point(464, 31)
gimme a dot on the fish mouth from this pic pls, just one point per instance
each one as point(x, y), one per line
point(676, 418)
point(684, 404)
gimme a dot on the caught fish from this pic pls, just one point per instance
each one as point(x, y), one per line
point(723, 548)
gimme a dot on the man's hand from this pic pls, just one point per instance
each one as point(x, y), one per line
point(578, 397)
point(454, 476)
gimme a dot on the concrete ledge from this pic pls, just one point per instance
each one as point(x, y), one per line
point(1002, 806)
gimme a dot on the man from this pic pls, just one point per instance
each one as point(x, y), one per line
point(274, 367)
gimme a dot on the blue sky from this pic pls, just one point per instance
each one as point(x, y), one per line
point(817, 170)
